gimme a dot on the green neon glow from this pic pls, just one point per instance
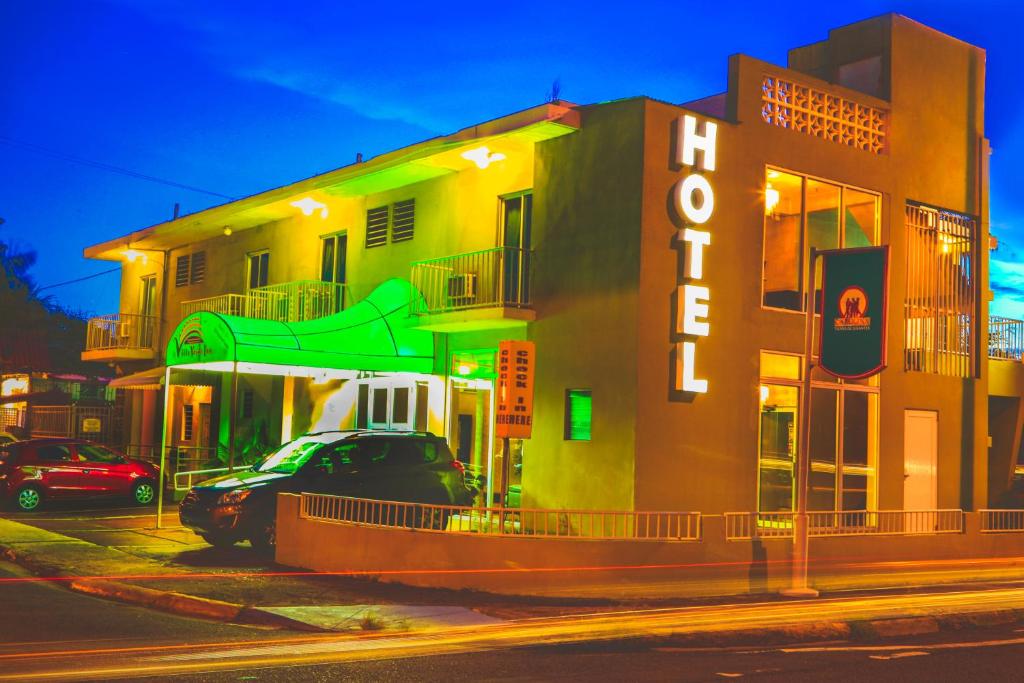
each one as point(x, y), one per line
point(373, 335)
point(577, 418)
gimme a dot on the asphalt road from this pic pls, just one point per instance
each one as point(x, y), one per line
point(42, 616)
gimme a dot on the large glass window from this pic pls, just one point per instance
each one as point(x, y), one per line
point(843, 438)
point(800, 213)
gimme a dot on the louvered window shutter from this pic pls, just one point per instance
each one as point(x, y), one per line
point(376, 227)
point(198, 267)
point(403, 219)
point(181, 271)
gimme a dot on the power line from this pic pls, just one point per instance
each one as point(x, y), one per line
point(80, 279)
point(106, 167)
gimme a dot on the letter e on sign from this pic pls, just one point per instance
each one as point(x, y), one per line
point(513, 415)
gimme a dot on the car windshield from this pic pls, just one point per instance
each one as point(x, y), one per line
point(294, 454)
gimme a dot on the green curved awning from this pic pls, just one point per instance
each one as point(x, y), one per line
point(374, 335)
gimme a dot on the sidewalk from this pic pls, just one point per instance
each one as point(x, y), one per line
point(267, 595)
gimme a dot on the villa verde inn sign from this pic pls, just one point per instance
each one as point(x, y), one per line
point(853, 305)
point(693, 200)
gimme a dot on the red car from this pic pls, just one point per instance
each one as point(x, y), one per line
point(39, 470)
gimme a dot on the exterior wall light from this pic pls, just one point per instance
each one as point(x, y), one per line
point(771, 200)
point(227, 230)
point(308, 205)
point(764, 393)
point(482, 156)
point(131, 255)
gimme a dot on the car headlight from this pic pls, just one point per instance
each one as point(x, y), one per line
point(234, 497)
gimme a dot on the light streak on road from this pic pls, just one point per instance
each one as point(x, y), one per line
point(656, 622)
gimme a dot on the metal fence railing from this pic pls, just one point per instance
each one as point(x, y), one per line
point(998, 521)
point(749, 525)
point(1005, 338)
point(96, 423)
point(480, 279)
point(286, 302)
point(120, 331)
point(590, 524)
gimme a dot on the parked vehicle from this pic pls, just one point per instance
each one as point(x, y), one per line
point(36, 471)
point(415, 467)
point(6, 438)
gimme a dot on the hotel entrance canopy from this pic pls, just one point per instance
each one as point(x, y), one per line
point(373, 335)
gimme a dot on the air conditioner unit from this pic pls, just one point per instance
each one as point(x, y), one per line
point(462, 287)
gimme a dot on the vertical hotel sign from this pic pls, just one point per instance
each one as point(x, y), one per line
point(514, 410)
point(694, 202)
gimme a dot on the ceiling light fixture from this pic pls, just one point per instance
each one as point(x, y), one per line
point(482, 157)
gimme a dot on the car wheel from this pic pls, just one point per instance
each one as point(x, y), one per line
point(29, 499)
point(265, 538)
point(143, 493)
point(219, 540)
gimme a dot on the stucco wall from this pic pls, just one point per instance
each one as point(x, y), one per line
point(586, 237)
point(618, 569)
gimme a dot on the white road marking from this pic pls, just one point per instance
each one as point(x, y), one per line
point(900, 655)
point(728, 675)
point(895, 648)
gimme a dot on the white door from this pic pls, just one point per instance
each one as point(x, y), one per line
point(920, 459)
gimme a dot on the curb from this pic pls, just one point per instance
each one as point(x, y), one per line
point(166, 601)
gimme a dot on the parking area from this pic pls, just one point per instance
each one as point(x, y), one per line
point(133, 530)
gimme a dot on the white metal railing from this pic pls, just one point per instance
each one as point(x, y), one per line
point(183, 481)
point(1000, 521)
point(480, 279)
point(748, 525)
point(120, 331)
point(1005, 338)
point(286, 302)
point(591, 524)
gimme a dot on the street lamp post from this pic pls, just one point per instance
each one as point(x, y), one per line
point(798, 587)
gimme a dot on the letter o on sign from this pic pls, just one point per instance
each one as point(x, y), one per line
point(683, 198)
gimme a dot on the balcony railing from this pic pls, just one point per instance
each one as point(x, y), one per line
point(120, 331)
point(288, 302)
point(1005, 338)
point(481, 279)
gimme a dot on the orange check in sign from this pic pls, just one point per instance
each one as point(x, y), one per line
point(514, 412)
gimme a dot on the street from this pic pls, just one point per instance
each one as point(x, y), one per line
point(50, 633)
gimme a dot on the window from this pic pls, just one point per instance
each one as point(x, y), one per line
point(400, 217)
point(94, 453)
point(333, 257)
point(186, 422)
point(333, 262)
point(190, 269)
point(53, 453)
point(939, 305)
point(577, 415)
point(259, 269)
point(403, 219)
point(377, 226)
point(248, 398)
point(801, 213)
point(516, 227)
point(843, 439)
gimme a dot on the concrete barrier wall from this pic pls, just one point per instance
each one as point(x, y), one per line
point(637, 569)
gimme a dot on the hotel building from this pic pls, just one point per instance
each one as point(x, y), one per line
point(655, 253)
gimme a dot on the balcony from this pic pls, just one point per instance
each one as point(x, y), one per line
point(479, 290)
point(120, 337)
point(287, 302)
point(1005, 338)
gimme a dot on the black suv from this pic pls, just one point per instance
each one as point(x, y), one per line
point(415, 467)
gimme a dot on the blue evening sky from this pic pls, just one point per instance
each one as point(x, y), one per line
point(235, 98)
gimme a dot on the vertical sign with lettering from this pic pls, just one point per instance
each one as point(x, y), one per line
point(694, 202)
point(514, 410)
